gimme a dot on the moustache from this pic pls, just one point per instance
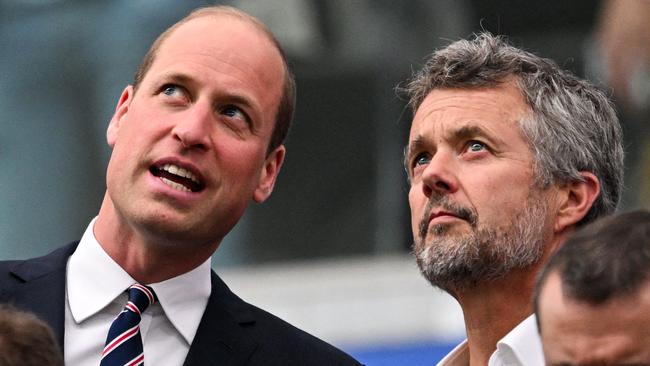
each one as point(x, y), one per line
point(446, 204)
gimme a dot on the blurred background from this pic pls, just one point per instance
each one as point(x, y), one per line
point(329, 251)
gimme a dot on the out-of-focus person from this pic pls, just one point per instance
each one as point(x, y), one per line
point(622, 62)
point(25, 340)
point(592, 299)
point(623, 33)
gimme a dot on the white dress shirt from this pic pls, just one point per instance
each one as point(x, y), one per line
point(521, 347)
point(95, 295)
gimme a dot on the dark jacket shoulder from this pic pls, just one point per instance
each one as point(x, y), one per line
point(38, 285)
point(292, 346)
point(252, 336)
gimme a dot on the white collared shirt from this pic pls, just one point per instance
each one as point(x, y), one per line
point(95, 295)
point(521, 347)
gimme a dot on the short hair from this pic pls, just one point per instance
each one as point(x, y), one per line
point(607, 259)
point(286, 107)
point(26, 340)
point(572, 126)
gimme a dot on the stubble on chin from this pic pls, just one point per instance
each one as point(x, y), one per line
point(459, 260)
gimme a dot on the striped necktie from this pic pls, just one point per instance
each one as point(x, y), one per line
point(124, 343)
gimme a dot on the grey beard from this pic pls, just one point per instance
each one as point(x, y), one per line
point(459, 262)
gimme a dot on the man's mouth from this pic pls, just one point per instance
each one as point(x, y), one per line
point(178, 178)
point(448, 208)
point(435, 215)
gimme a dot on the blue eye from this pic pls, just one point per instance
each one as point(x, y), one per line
point(169, 89)
point(236, 113)
point(173, 90)
point(232, 111)
point(476, 146)
point(422, 159)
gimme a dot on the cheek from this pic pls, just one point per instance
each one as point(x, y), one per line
point(502, 194)
point(417, 200)
point(499, 206)
point(239, 161)
point(130, 136)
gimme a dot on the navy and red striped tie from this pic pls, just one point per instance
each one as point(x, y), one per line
point(124, 343)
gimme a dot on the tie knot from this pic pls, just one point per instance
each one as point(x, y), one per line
point(140, 297)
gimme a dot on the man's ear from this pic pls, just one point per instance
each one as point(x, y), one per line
point(120, 111)
point(575, 200)
point(269, 174)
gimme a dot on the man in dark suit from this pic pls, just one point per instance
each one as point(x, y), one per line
point(196, 137)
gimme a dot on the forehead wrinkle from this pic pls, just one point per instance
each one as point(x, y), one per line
point(460, 102)
point(227, 57)
point(243, 69)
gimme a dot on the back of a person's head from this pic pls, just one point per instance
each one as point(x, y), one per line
point(26, 340)
point(607, 259)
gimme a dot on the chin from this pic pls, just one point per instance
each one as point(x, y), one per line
point(166, 228)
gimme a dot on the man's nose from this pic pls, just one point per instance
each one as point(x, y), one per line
point(192, 129)
point(439, 176)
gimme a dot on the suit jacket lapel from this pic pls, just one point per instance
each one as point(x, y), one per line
point(41, 287)
point(220, 338)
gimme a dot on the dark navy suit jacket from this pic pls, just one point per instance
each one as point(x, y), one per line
point(232, 332)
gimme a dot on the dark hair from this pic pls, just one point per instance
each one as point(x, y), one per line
point(572, 126)
point(285, 111)
point(26, 340)
point(607, 259)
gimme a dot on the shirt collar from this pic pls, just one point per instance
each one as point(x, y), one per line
point(521, 346)
point(185, 297)
point(459, 356)
point(94, 280)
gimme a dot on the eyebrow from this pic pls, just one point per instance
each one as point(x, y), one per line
point(466, 132)
point(474, 130)
point(185, 79)
point(462, 133)
point(177, 77)
point(182, 78)
point(417, 143)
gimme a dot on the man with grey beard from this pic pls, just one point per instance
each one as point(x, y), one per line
point(507, 155)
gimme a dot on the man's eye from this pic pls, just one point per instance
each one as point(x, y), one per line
point(476, 146)
point(170, 89)
point(421, 159)
point(234, 112)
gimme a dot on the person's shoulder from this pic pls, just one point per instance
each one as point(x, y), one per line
point(20, 270)
point(277, 341)
point(289, 345)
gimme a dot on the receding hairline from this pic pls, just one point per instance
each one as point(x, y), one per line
point(286, 105)
point(215, 12)
point(222, 10)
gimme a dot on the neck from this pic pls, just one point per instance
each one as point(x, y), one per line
point(491, 310)
point(144, 256)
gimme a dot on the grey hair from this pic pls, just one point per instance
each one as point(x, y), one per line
point(572, 127)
